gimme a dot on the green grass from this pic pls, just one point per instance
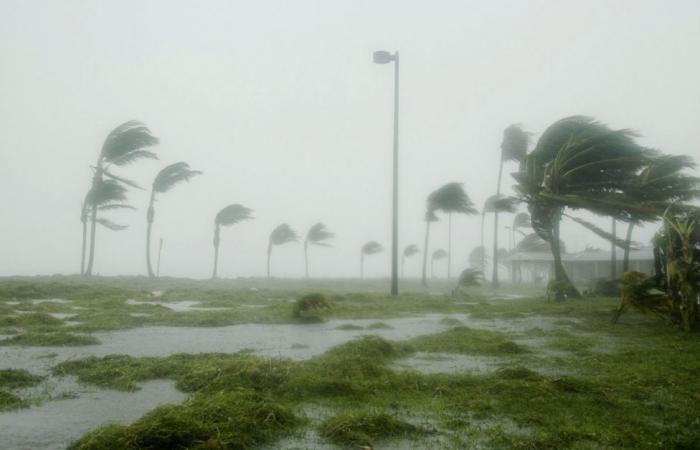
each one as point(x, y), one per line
point(467, 341)
point(365, 428)
point(10, 401)
point(54, 339)
point(18, 378)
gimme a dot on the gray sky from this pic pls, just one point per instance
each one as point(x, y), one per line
point(279, 104)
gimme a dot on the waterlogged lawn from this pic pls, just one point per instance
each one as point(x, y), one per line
point(507, 372)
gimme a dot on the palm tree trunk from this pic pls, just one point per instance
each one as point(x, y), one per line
point(432, 269)
point(149, 218)
point(449, 245)
point(613, 252)
point(424, 281)
point(494, 278)
point(160, 249)
point(628, 242)
point(217, 240)
point(483, 247)
point(306, 258)
point(269, 255)
point(82, 253)
point(93, 219)
point(564, 285)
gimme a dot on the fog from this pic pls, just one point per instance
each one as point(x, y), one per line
point(281, 107)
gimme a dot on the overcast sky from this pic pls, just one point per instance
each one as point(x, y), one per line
point(280, 106)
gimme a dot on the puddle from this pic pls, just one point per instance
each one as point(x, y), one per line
point(62, 315)
point(448, 363)
point(51, 300)
point(12, 303)
point(56, 424)
point(140, 314)
point(183, 306)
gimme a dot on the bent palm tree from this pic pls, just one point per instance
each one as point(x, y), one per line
point(409, 251)
point(370, 248)
point(317, 235)
point(230, 215)
point(437, 255)
point(123, 146)
point(451, 198)
point(166, 179)
point(282, 234)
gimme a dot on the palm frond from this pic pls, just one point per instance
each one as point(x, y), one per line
point(113, 206)
point(126, 181)
point(173, 175)
point(283, 234)
point(111, 225)
point(104, 192)
point(501, 204)
point(410, 250)
point(233, 214)
point(372, 247)
point(319, 233)
point(121, 144)
point(451, 198)
point(621, 243)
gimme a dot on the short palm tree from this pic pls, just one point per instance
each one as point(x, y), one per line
point(230, 215)
point(450, 198)
point(317, 235)
point(166, 179)
point(409, 251)
point(437, 255)
point(282, 234)
point(124, 145)
point(370, 248)
point(496, 204)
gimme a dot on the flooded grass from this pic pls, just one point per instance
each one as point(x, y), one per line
point(54, 339)
point(487, 373)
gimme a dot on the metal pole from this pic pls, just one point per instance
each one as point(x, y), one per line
point(395, 217)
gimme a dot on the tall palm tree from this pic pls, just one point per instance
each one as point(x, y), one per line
point(430, 217)
point(409, 251)
point(451, 198)
point(282, 234)
point(166, 179)
point(579, 163)
point(513, 148)
point(123, 146)
point(317, 235)
point(229, 215)
point(370, 248)
point(437, 255)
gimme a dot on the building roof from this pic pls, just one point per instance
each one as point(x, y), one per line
point(588, 255)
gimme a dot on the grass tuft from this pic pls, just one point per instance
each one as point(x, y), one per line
point(364, 428)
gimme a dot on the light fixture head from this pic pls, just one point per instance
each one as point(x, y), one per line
point(382, 57)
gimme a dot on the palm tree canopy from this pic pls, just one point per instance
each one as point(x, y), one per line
point(173, 175)
point(470, 277)
point(521, 220)
point(477, 257)
point(106, 192)
point(535, 244)
point(410, 250)
point(515, 143)
point(663, 182)
point(430, 215)
point(439, 254)
point(233, 214)
point(319, 233)
point(500, 203)
point(372, 247)
point(126, 143)
point(283, 234)
point(449, 198)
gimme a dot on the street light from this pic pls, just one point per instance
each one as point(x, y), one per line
point(384, 57)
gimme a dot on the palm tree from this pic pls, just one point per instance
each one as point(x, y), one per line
point(317, 235)
point(495, 204)
point(450, 198)
point(579, 163)
point(370, 248)
point(513, 148)
point(123, 146)
point(520, 221)
point(409, 251)
point(229, 215)
point(166, 179)
point(429, 218)
point(437, 255)
point(282, 234)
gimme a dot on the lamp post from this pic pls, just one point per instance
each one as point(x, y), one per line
point(384, 57)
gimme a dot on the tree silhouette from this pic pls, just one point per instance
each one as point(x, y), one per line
point(229, 215)
point(437, 255)
point(495, 204)
point(123, 146)
point(429, 218)
point(317, 235)
point(282, 234)
point(370, 248)
point(166, 179)
point(409, 251)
